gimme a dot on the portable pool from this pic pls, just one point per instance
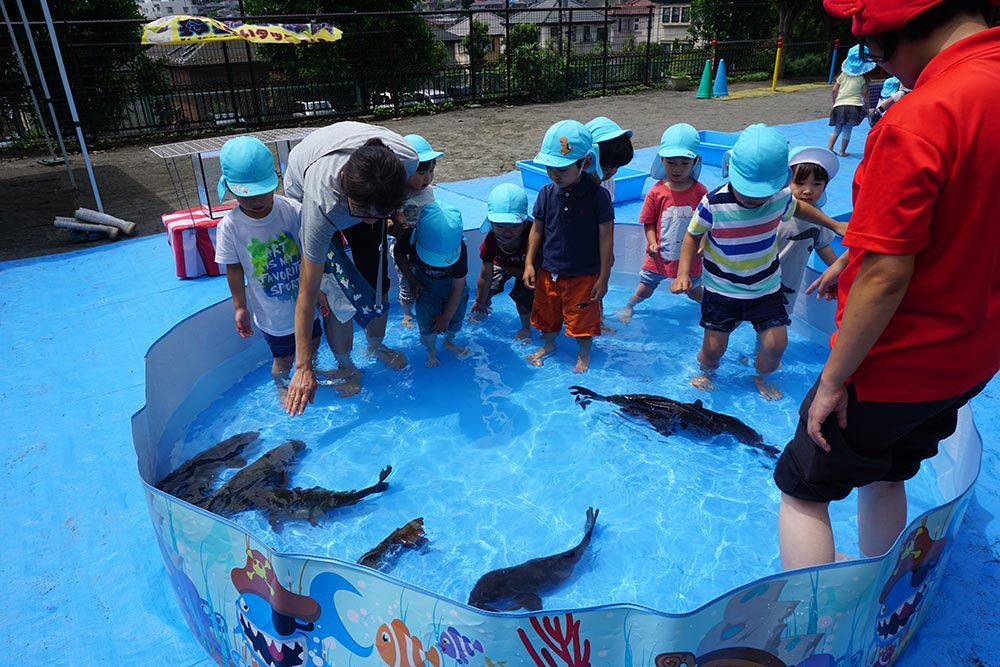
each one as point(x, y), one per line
point(253, 598)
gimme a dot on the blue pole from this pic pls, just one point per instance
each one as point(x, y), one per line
point(833, 60)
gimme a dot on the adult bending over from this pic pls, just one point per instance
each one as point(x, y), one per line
point(918, 310)
point(351, 179)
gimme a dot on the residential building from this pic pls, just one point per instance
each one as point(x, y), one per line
point(495, 31)
point(573, 21)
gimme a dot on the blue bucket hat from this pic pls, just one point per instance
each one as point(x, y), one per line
point(758, 164)
point(680, 140)
point(423, 147)
point(507, 204)
point(889, 87)
point(854, 65)
point(816, 155)
point(247, 168)
point(565, 142)
point(438, 237)
point(603, 129)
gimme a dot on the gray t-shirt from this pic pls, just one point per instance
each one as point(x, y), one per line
point(313, 178)
point(796, 240)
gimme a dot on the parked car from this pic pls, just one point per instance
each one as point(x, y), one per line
point(310, 108)
point(383, 100)
point(227, 118)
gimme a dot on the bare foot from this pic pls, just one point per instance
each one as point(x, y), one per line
point(606, 329)
point(350, 386)
point(702, 382)
point(523, 335)
point(537, 358)
point(408, 321)
point(581, 366)
point(458, 350)
point(432, 362)
point(767, 389)
point(845, 154)
point(394, 359)
point(624, 315)
point(341, 373)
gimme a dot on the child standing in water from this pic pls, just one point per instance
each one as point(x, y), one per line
point(258, 242)
point(419, 194)
point(434, 259)
point(502, 252)
point(573, 229)
point(666, 214)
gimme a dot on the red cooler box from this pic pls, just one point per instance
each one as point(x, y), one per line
point(191, 234)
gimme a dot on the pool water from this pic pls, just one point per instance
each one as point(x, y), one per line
point(503, 464)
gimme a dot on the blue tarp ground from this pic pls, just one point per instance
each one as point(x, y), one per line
point(82, 577)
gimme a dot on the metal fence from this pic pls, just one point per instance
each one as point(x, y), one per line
point(123, 90)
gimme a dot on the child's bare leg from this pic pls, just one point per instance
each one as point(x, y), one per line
point(695, 293)
point(642, 292)
point(771, 344)
point(429, 341)
point(524, 333)
point(280, 369)
point(375, 332)
point(537, 357)
point(583, 356)
point(713, 346)
point(450, 345)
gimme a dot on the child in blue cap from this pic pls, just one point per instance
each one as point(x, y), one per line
point(434, 259)
point(742, 276)
point(258, 242)
point(419, 194)
point(612, 150)
point(666, 213)
point(850, 98)
point(573, 230)
point(507, 227)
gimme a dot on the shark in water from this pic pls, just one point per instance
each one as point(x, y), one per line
point(192, 480)
point(668, 416)
point(383, 556)
point(519, 586)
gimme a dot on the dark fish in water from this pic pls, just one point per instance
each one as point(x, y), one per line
point(519, 586)
point(270, 471)
point(193, 480)
point(668, 416)
point(281, 503)
point(383, 556)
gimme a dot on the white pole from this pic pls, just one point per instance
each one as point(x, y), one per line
point(72, 104)
point(45, 92)
point(27, 81)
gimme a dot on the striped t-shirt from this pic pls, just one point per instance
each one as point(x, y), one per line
point(741, 257)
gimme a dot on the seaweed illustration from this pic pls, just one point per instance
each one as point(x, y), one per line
point(565, 644)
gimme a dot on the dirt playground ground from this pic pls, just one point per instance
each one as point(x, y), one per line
point(479, 141)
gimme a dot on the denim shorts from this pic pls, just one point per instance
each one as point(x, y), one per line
point(724, 313)
point(284, 346)
point(653, 279)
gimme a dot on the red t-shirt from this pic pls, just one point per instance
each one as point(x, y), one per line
point(927, 187)
point(670, 211)
point(491, 252)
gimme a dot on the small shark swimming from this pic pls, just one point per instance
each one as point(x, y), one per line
point(519, 586)
point(384, 555)
point(192, 480)
point(262, 485)
point(668, 416)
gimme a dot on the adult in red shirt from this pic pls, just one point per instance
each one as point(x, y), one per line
point(919, 294)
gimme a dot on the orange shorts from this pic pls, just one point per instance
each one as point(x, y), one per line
point(566, 300)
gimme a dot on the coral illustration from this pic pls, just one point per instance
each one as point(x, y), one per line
point(565, 645)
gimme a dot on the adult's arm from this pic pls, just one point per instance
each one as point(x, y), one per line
point(875, 295)
point(302, 387)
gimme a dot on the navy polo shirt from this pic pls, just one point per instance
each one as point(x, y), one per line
point(571, 221)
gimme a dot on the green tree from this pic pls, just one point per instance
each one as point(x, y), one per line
point(522, 34)
point(732, 20)
point(477, 42)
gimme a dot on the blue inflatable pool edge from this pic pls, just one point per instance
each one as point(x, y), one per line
point(248, 605)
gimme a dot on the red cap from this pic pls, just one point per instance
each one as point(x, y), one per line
point(871, 17)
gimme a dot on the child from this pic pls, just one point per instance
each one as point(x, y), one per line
point(612, 150)
point(812, 169)
point(850, 99)
point(434, 259)
point(573, 228)
point(259, 241)
point(420, 194)
point(666, 213)
point(892, 92)
point(742, 277)
point(502, 251)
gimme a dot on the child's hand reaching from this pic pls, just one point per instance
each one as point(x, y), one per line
point(653, 249)
point(681, 284)
point(440, 324)
point(243, 327)
point(478, 312)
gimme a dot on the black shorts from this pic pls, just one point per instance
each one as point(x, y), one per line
point(883, 442)
point(366, 241)
point(284, 346)
point(724, 313)
point(521, 295)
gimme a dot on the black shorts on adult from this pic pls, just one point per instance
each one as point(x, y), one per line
point(883, 442)
point(366, 241)
point(724, 313)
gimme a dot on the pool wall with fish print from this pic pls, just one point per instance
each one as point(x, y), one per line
point(250, 606)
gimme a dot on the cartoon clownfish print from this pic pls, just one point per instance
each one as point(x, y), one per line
point(398, 648)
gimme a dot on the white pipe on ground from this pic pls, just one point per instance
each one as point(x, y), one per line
point(73, 223)
point(87, 215)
